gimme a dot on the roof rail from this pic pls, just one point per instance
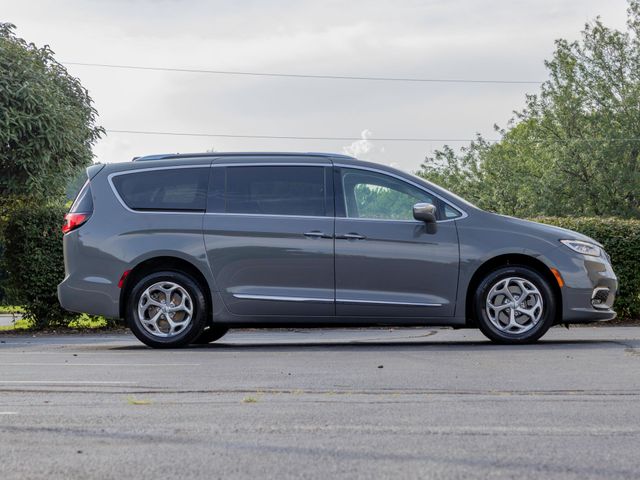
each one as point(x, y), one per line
point(159, 156)
point(172, 156)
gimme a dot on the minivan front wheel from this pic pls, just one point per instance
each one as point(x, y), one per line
point(514, 304)
point(166, 309)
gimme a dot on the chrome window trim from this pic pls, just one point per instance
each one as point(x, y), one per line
point(463, 213)
point(139, 170)
point(269, 215)
point(394, 220)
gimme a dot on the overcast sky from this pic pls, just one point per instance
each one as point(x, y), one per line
point(464, 39)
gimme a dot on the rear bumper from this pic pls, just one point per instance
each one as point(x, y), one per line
point(93, 296)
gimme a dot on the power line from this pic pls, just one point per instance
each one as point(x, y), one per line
point(379, 139)
point(292, 137)
point(307, 76)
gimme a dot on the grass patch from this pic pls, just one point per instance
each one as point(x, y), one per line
point(85, 321)
point(82, 322)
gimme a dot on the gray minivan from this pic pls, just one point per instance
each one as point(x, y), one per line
point(184, 247)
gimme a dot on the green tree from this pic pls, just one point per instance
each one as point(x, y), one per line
point(47, 122)
point(575, 147)
point(47, 129)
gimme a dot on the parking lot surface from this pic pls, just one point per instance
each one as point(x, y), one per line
point(396, 403)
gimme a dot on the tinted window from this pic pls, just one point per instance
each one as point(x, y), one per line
point(84, 201)
point(280, 190)
point(450, 212)
point(169, 189)
point(378, 196)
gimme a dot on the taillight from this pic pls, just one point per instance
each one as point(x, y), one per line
point(74, 220)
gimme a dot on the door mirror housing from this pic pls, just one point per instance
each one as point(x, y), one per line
point(425, 212)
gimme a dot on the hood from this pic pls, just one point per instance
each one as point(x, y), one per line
point(549, 232)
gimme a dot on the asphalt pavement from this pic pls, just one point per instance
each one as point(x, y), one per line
point(371, 403)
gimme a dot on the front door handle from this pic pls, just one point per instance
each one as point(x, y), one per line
point(317, 234)
point(351, 236)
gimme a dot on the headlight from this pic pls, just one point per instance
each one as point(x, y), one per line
point(585, 248)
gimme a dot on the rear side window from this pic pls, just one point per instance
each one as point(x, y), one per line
point(276, 190)
point(173, 189)
point(84, 201)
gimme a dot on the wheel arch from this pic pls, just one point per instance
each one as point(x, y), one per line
point(160, 263)
point(505, 260)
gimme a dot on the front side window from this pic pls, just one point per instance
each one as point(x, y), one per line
point(276, 190)
point(378, 196)
point(173, 189)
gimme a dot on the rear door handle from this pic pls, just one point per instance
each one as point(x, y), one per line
point(351, 236)
point(317, 234)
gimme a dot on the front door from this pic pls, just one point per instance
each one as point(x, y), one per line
point(387, 263)
point(268, 232)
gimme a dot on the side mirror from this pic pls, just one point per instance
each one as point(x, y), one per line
point(425, 212)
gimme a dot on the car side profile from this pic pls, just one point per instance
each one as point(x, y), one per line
point(184, 247)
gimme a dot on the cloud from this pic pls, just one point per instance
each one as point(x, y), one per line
point(416, 38)
point(360, 148)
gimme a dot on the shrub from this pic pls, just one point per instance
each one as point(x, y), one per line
point(34, 262)
point(621, 240)
point(3, 274)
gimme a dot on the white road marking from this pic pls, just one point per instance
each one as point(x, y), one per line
point(8, 413)
point(62, 382)
point(71, 364)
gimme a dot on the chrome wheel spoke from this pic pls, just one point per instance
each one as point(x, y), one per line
point(152, 322)
point(533, 312)
point(498, 308)
point(183, 306)
point(165, 309)
point(514, 305)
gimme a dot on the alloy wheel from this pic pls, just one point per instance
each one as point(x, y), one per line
point(514, 305)
point(165, 309)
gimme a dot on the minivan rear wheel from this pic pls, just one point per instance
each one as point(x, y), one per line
point(514, 304)
point(166, 309)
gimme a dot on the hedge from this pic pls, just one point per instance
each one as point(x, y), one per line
point(621, 240)
point(3, 274)
point(34, 262)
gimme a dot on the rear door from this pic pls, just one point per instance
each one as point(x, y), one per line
point(269, 232)
point(387, 263)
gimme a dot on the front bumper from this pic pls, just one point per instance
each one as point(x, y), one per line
point(590, 287)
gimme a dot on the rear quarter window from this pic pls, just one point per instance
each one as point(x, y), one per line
point(172, 189)
point(84, 201)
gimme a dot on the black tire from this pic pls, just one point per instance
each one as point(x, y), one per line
point(210, 335)
point(197, 303)
point(548, 308)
